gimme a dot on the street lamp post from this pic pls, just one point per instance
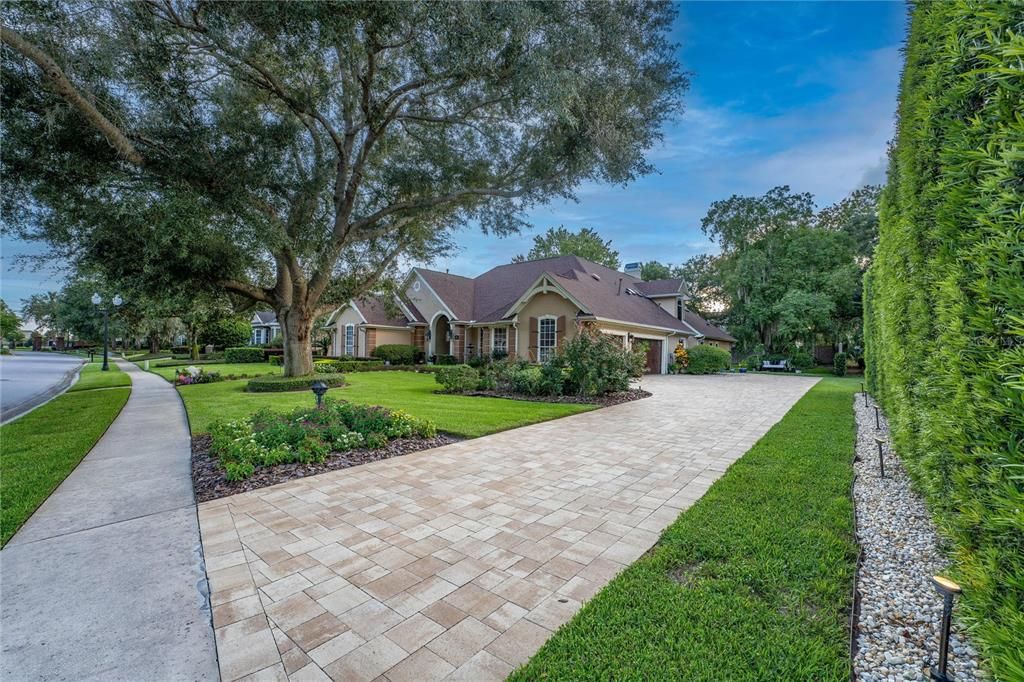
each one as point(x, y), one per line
point(96, 300)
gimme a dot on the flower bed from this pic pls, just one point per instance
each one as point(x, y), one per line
point(308, 436)
point(195, 375)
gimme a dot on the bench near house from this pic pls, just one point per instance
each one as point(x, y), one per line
point(526, 310)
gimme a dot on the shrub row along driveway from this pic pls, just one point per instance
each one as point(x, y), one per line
point(461, 561)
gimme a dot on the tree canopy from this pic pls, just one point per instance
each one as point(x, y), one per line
point(783, 277)
point(652, 270)
point(291, 153)
point(559, 241)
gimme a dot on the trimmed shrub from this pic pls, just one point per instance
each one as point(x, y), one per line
point(801, 360)
point(458, 378)
point(327, 366)
point(944, 296)
point(753, 362)
point(445, 360)
point(839, 364)
point(243, 354)
point(707, 360)
point(396, 353)
point(276, 384)
point(276, 360)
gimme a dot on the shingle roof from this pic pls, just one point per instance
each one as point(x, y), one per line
point(266, 316)
point(376, 313)
point(660, 287)
point(489, 297)
point(456, 291)
point(706, 328)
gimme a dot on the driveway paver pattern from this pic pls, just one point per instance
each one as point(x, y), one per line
point(459, 562)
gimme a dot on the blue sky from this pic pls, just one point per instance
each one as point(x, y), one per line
point(802, 94)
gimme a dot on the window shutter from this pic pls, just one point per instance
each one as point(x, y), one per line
point(534, 339)
point(559, 331)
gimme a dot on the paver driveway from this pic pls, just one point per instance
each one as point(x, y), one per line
point(461, 561)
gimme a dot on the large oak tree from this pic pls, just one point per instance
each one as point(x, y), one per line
point(292, 153)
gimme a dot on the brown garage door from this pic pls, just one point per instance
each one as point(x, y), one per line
point(653, 356)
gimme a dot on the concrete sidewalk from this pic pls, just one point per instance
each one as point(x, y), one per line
point(106, 580)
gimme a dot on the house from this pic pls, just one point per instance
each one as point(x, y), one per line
point(264, 327)
point(526, 310)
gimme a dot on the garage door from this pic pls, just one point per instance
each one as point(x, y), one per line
point(653, 356)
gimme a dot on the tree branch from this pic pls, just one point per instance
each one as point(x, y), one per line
point(248, 290)
point(55, 76)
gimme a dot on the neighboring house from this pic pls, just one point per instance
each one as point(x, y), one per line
point(526, 310)
point(264, 327)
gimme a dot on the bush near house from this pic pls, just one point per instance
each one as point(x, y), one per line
point(458, 378)
point(596, 364)
point(707, 360)
point(396, 353)
point(243, 354)
point(944, 303)
point(276, 384)
point(308, 435)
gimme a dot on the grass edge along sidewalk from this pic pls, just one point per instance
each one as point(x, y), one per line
point(41, 448)
point(752, 582)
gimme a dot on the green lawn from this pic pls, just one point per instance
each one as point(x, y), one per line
point(239, 369)
point(752, 582)
point(43, 447)
point(408, 391)
point(92, 377)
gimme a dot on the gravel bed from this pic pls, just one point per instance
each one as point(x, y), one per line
point(209, 483)
point(897, 629)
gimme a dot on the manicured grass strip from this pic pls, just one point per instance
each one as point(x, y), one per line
point(40, 449)
point(409, 391)
point(751, 583)
point(238, 369)
point(92, 377)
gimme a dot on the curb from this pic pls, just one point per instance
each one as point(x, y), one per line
point(9, 414)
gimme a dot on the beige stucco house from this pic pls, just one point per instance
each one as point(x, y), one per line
point(526, 310)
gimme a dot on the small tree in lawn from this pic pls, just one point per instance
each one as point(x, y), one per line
point(291, 153)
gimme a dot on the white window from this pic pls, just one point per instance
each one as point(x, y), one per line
point(545, 338)
point(500, 342)
point(350, 339)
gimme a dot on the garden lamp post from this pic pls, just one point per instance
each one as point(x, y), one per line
point(116, 301)
point(881, 458)
point(319, 389)
point(948, 589)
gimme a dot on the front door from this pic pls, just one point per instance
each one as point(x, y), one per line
point(653, 356)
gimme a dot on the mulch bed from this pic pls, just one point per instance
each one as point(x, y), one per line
point(603, 401)
point(208, 477)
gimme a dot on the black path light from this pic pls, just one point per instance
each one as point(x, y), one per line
point(319, 389)
point(96, 300)
point(948, 589)
point(864, 391)
point(878, 424)
point(881, 459)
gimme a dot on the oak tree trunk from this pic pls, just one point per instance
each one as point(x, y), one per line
point(154, 343)
point(297, 332)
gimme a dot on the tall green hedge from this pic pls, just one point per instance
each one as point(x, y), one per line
point(944, 313)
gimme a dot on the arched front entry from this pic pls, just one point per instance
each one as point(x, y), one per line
point(441, 336)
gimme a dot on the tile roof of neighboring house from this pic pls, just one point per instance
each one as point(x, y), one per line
point(489, 297)
point(660, 287)
point(266, 316)
point(706, 328)
point(456, 291)
point(376, 312)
